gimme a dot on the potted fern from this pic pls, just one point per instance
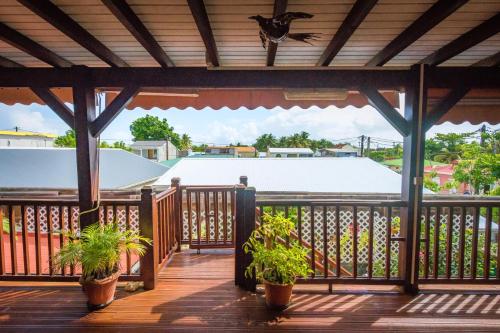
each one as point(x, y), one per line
point(98, 251)
point(276, 263)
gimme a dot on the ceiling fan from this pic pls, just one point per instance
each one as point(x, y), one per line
point(277, 29)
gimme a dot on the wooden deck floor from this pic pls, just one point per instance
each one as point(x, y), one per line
point(197, 293)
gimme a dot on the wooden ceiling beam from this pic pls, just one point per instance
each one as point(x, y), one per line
point(473, 37)
point(31, 47)
point(4, 62)
point(201, 77)
point(358, 12)
point(63, 22)
point(272, 48)
point(432, 17)
point(200, 16)
point(491, 61)
point(122, 11)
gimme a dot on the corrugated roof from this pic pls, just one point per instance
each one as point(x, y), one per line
point(290, 150)
point(322, 174)
point(28, 133)
point(56, 168)
point(147, 144)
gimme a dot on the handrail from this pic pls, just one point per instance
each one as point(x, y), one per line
point(313, 202)
point(166, 193)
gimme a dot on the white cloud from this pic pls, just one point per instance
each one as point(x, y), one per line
point(30, 117)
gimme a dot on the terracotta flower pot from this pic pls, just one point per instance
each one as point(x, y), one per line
point(278, 295)
point(100, 293)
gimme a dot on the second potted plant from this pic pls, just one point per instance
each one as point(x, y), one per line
point(276, 263)
point(98, 251)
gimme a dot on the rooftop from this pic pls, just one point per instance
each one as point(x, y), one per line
point(290, 150)
point(346, 175)
point(28, 133)
point(55, 168)
point(148, 144)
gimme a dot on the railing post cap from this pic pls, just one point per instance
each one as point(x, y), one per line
point(175, 180)
point(147, 188)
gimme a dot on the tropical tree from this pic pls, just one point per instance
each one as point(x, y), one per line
point(477, 168)
point(185, 142)
point(264, 141)
point(153, 128)
point(66, 140)
point(69, 140)
point(448, 146)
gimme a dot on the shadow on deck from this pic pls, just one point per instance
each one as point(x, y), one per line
point(197, 292)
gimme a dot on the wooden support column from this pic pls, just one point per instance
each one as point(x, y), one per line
point(87, 156)
point(412, 177)
point(176, 182)
point(148, 227)
point(245, 224)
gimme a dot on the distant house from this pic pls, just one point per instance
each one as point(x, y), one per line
point(155, 150)
point(341, 151)
point(18, 138)
point(444, 174)
point(55, 168)
point(231, 151)
point(338, 175)
point(396, 164)
point(289, 152)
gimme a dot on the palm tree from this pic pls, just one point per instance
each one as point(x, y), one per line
point(186, 142)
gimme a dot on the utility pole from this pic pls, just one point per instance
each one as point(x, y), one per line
point(483, 132)
point(368, 147)
point(362, 144)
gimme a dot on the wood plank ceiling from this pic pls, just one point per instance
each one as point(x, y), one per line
point(181, 36)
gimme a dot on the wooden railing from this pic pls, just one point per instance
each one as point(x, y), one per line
point(34, 230)
point(349, 241)
point(459, 241)
point(166, 203)
point(208, 214)
point(359, 241)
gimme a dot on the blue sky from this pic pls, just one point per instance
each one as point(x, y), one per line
point(226, 126)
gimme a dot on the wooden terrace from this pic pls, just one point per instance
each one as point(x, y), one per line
point(444, 55)
point(197, 293)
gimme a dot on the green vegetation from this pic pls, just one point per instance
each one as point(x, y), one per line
point(98, 250)
point(69, 140)
point(273, 260)
point(297, 140)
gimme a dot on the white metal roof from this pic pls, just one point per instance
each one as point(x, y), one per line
point(324, 174)
point(290, 150)
point(55, 168)
point(147, 144)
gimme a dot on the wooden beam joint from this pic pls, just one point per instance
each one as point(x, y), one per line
point(378, 101)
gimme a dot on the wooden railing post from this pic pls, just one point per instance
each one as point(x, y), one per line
point(245, 224)
point(244, 180)
point(176, 183)
point(148, 227)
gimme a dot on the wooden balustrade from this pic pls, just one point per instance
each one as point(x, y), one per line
point(349, 241)
point(459, 242)
point(208, 214)
point(34, 230)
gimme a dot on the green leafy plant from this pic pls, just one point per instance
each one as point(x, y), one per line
point(98, 250)
point(273, 260)
point(5, 225)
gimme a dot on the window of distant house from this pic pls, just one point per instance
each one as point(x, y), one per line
point(278, 155)
point(152, 154)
